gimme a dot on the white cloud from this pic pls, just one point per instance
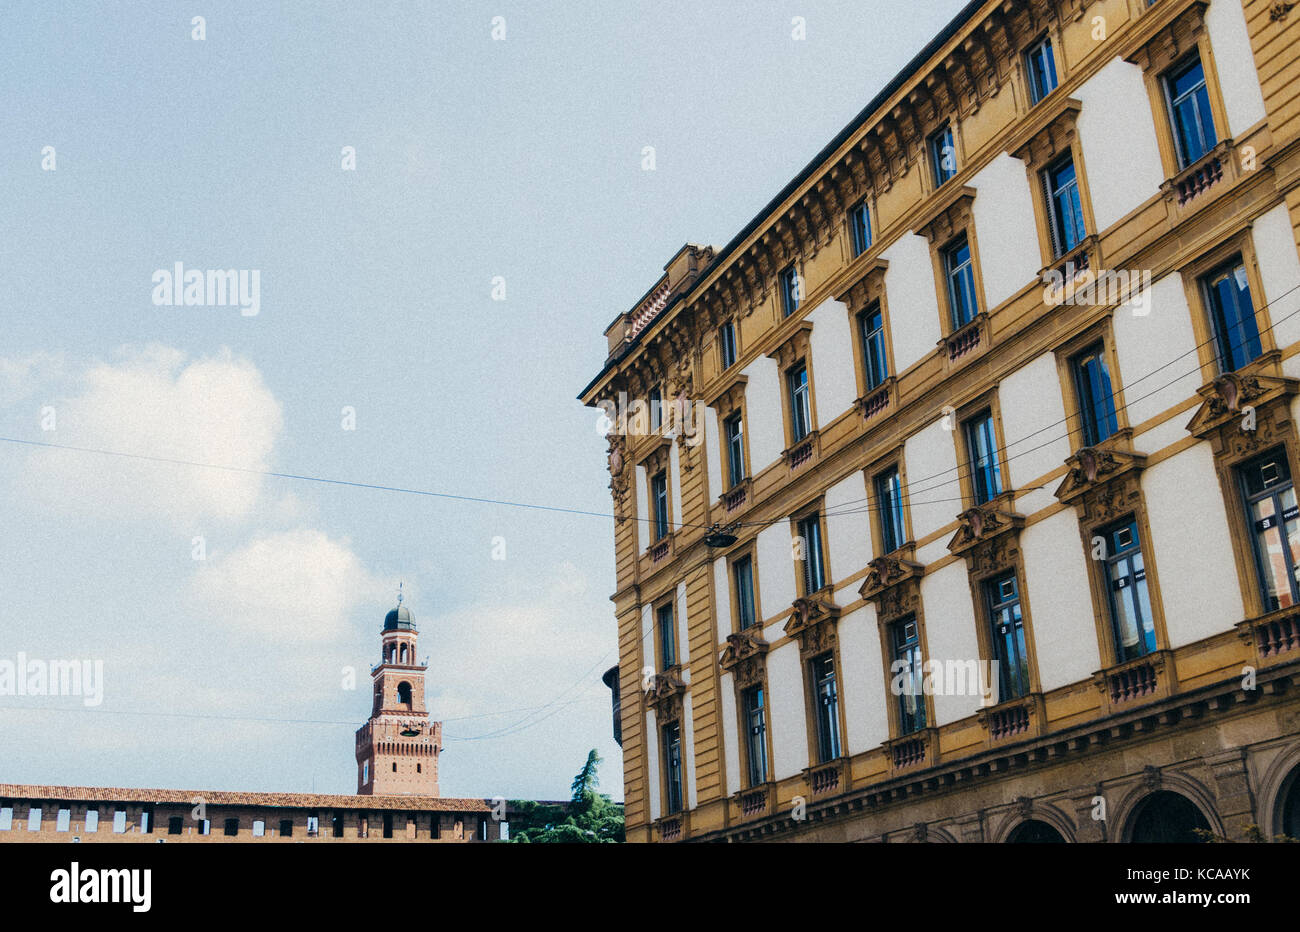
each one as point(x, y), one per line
point(21, 376)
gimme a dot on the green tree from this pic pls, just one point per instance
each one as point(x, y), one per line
point(588, 818)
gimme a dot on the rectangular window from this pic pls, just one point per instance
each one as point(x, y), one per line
point(743, 571)
point(175, 825)
point(673, 766)
point(959, 272)
point(63, 820)
point(313, 825)
point(34, 819)
point(259, 828)
point(1003, 596)
point(336, 824)
point(286, 827)
point(1232, 316)
point(232, 827)
point(387, 825)
point(1065, 208)
point(756, 735)
point(814, 569)
point(889, 502)
point(659, 502)
point(982, 450)
point(92, 821)
point(6, 818)
point(943, 156)
point(1189, 111)
point(1096, 398)
point(1040, 66)
point(906, 676)
point(791, 292)
point(828, 714)
point(656, 408)
point(735, 432)
point(727, 343)
point(800, 409)
point(1126, 583)
point(860, 223)
point(667, 637)
point(119, 821)
point(871, 324)
point(1275, 527)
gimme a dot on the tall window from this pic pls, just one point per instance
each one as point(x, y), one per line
point(659, 502)
point(232, 827)
point(673, 766)
point(907, 676)
point(1065, 209)
point(828, 715)
point(735, 432)
point(1096, 398)
point(1232, 316)
point(814, 570)
point(1189, 111)
point(871, 323)
point(667, 637)
point(756, 735)
point(119, 821)
point(656, 408)
point(982, 450)
point(943, 155)
point(860, 224)
point(889, 501)
point(1275, 527)
point(63, 820)
point(790, 290)
point(800, 408)
point(1040, 66)
point(1126, 581)
point(92, 821)
point(959, 270)
point(727, 343)
point(1003, 595)
point(743, 572)
point(34, 819)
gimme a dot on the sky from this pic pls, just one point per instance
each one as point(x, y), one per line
point(226, 606)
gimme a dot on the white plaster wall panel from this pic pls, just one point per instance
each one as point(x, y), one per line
point(1279, 268)
point(1162, 339)
point(950, 637)
point(688, 751)
point(683, 627)
point(935, 550)
point(642, 511)
point(1033, 422)
point(1004, 224)
point(863, 685)
point(730, 732)
point(763, 413)
point(652, 762)
point(933, 485)
point(786, 711)
point(722, 597)
point(674, 473)
point(835, 382)
point(913, 306)
point(848, 534)
point(712, 457)
point(1235, 62)
point(776, 583)
point(1056, 587)
point(647, 636)
point(1162, 435)
point(1038, 499)
point(1117, 132)
point(1189, 543)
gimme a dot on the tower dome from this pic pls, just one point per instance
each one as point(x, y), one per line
point(399, 619)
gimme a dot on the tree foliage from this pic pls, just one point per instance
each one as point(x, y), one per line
point(588, 818)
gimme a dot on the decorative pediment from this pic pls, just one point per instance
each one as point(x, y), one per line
point(1047, 134)
point(983, 524)
point(794, 347)
point(1093, 468)
point(862, 289)
point(894, 583)
point(1173, 40)
point(665, 694)
point(812, 622)
point(726, 397)
point(1236, 405)
point(656, 459)
point(745, 657)
point(948, 216)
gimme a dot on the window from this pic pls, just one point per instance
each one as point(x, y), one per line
point(943, 155)
point(336, 824)
point(119, 821)
point(667, 637)
point(232, 827)
point(659, 502)
point(435, 826)
point(982, 451)
point(800, 409)
point(365, 772)
point(791, 292)
point(755, 734)
point(259, 828)
point(860, 224)
point(1003, 595)
point(814, 570)
point(205, 826)
point(92, 821)
point(743, 571)
point(907, 672)
point(63, 820)
point(1275, 530)
point(175, 825)
point(828, 715)
point(1040, 66)
point(959, 271)
point(34, 819)
point(388, 825)
point(673, 766)
point(1064, 207)
point(1189, 111)
point(889, 502)
point(313, 825)
point(286, 828)
point(1096, 399)
point(1232, 316)
point(394, 766)
point(656, 408)
point(6, 818)
point(871, 324)
point(735, 432)
point(1126, 583)
point(404, 689)
point(727, 343)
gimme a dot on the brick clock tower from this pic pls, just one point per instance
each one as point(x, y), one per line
point(397, 749)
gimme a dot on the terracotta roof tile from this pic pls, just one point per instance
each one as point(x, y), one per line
point(222, 798)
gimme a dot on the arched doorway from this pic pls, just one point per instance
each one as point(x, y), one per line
point(1165, 817)
point(1290, 809)
point(1034, 832)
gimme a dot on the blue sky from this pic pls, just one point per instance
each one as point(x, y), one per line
point(475, 158)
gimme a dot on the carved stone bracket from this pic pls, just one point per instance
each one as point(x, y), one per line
point(665, 694)
point(862, 289)
point(812, 622)
point(886, 579)
point(1047, 135)
point(1095, 475)
point(1243, 413)
point(794, 347)
point(745, 657)
point(987, 537)
point(948, 216)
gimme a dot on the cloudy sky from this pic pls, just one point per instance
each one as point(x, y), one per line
point(475, 159)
